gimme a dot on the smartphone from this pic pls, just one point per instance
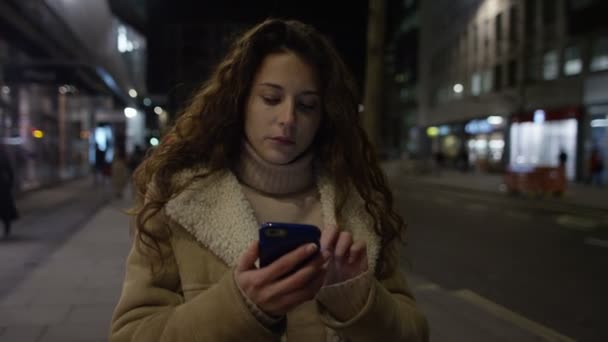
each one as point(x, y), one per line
point(278, 239)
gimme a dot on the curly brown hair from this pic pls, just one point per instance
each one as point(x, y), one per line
point(210, 132)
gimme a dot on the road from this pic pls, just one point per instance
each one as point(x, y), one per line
point(519, 253)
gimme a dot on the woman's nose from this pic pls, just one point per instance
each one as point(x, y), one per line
point(287, 115)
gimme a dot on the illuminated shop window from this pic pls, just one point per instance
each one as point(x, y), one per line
point(550, 65)
point(476, 84)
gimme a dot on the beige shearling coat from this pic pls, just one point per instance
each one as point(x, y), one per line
point(196, 298)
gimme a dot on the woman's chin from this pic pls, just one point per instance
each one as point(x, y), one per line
point(278, 158)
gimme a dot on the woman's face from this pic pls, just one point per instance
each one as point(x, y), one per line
point(283, 109)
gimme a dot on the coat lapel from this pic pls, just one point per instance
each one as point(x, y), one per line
point(216, 212)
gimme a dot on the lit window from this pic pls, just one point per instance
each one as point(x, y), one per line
point(476, 84)
point(487, 81)
point(573, 64)
point(599, 58)
point(550, 65)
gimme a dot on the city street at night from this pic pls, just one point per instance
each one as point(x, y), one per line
point(196, 170)
point(522, 254)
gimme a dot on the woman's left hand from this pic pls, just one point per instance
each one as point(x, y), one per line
point(348, 257)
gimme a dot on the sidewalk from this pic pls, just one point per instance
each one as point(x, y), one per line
point(576, 193)
point(72, 295)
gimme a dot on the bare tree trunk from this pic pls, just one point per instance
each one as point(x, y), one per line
point(374, 70)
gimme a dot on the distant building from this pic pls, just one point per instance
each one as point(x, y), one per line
point(514, 82)
point(398, 130)
point(67, 71)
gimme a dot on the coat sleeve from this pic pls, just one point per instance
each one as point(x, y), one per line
point(151, 307)
point(388, 314)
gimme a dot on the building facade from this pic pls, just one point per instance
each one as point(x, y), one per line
point(67, 72)
point(398, 122)
point(514, 82)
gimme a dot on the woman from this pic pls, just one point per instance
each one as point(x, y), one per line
point(273, 136)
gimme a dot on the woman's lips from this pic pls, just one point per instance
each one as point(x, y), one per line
point(282, 140)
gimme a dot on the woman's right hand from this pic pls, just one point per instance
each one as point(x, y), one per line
point(269, 288)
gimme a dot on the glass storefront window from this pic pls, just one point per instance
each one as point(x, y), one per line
point(598, 140)
point(539, 144)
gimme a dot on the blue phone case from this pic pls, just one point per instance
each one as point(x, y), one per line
point(278, 239)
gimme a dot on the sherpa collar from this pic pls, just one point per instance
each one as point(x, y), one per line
point(216, 212)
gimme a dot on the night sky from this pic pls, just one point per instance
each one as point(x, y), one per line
point(181, 46)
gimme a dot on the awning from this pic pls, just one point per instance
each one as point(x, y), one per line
point(93, 80)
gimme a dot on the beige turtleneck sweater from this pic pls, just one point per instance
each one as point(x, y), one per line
point(280, 193)
point(288, 193)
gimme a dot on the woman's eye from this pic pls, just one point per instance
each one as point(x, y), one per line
point(307, 107)
point(271, 100)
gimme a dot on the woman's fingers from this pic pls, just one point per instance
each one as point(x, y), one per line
point(248, 258)
point(345, 241)
point(329, 236)
point(288, 262)
point(303, 278)
point(357, 251)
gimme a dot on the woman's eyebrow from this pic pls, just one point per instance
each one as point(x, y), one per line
point(271, 85)
point(278, 87)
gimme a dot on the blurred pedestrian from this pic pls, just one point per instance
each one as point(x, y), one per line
point(274, 135)
point(562, 158)
point(596, 167)
point(120, 173)
point(8, 208)
point(100, 165)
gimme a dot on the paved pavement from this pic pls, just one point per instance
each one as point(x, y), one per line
point(70, 296)
point(576, 194)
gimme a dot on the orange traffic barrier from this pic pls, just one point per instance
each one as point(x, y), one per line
point(540, 180)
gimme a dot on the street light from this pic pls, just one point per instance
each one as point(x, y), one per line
point(158, 110)
point(130, 112)
point(133, 93)
point(458, 88)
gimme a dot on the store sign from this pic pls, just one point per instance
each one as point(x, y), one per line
point(444, 130)
point(432, 131)
point(478, 127)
